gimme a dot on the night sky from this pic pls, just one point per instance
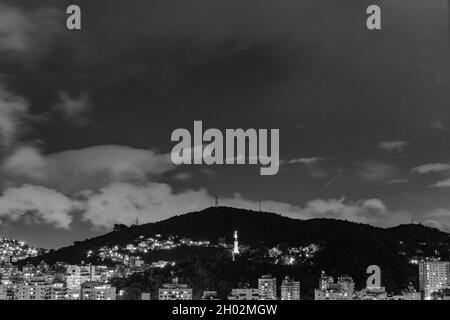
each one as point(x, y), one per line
point(86, 116)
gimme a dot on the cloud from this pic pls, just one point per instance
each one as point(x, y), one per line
point(442, 184)
point(27, 162)
point(88, 168)
point(395, 181)
point(122, 203)
point(364, 211)
point(438, 218)
point(311, 166)
point(439, 125)
point(37, 205)
point(431, 168)
point(74, 109)
point(309, 160)
point(183, 176)
point(14, 29)
point(266, 205)
point(374, 171)
point(27, 32)
point(393, 146)
point(12, 112)
point(333, 180)
point(372, 211)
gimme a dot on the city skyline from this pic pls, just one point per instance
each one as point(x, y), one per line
point(64, 281)
point(202, 256)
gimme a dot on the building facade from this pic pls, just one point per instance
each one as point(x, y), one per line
point(244, 294)
point(175, 291)
point(76, 275)
point(343, 289)
point(40, 291)
point(97, 291)
point(433, 276)
point(267, 286)
point(290, 289)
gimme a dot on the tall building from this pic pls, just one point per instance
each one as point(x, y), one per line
point(290, 289)
point(76, 275)
point(433, 276)
point(329, 290)
point(175, 291)
point(267, 286)
point(244, 294)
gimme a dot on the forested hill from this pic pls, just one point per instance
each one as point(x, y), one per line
point(258, 228)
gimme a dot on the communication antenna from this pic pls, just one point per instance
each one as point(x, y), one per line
point(217, 201)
